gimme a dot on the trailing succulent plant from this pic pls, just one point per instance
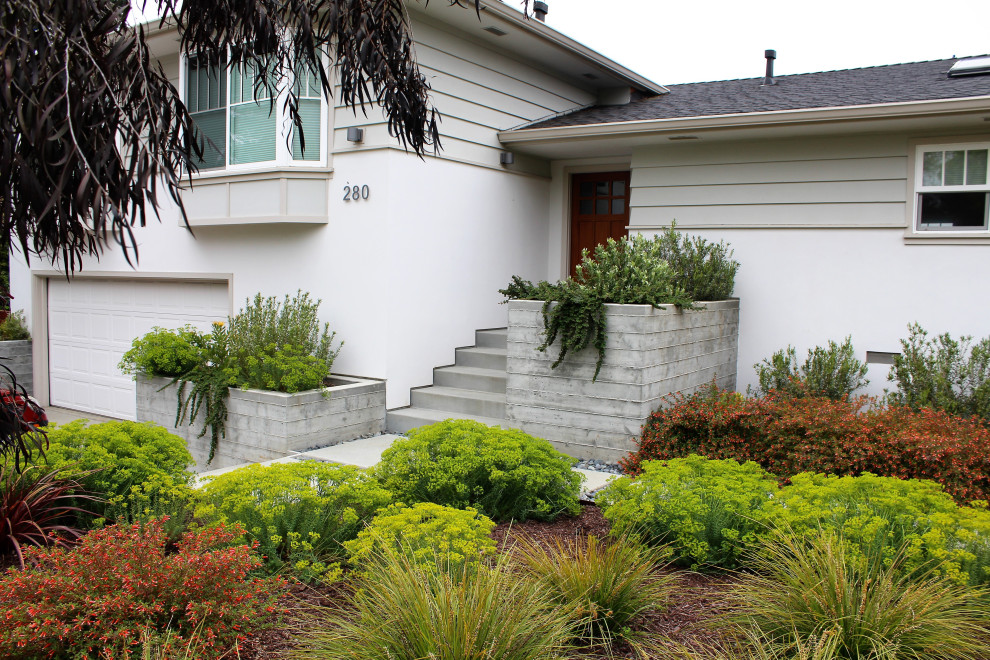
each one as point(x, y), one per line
point(668, 269)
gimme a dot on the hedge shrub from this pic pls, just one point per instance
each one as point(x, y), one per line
point(503, 473)
point(711, 513)
point(299, 513)
point(124, 582)
point(788, 435)
point(136, 464)
point(433, 535)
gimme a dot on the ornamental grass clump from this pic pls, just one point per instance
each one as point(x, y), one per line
point(38, 507)
point(605, 584)
point(433, 536)
point(504, 474)
point(402, 610)
point(868, 607)
point(710, 513)
point(668, 269)
point(298, 513)
point(125, 583)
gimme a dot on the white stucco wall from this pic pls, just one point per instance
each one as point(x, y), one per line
point(806, 286)
point(405, 277)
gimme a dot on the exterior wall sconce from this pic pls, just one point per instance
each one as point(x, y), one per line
point(355, 134)
point(507, 158)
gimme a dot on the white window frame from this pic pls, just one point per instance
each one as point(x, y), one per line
point(916, 188)
point(283, 124)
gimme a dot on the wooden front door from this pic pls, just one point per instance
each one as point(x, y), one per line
point(599, 210)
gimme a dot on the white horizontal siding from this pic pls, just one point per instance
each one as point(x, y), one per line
point(821, 182)
point(478, 92)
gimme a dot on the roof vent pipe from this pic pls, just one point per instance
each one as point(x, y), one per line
point(540, 10)
point(771, 55)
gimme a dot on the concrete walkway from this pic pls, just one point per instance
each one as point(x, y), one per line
point(366, 452)
point(66, 415)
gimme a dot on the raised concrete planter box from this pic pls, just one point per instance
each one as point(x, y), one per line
point(18, 356)
point(650, 353)
point(265, 425)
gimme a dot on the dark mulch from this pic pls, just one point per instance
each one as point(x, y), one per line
point(690, 619)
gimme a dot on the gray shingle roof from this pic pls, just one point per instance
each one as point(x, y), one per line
point(895, 83)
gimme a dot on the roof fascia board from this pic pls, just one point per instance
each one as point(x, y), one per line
point(748, 120)
point(542, 31)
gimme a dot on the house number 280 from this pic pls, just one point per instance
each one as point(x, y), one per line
point(356, 193)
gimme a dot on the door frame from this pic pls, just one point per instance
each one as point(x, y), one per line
point(558, 266)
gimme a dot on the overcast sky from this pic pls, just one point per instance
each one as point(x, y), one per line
point(679, 41)
point(697, 40)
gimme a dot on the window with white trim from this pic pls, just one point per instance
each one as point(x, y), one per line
point(952, 188)
point(240, 125)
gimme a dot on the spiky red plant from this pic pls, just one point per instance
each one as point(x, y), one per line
point(33, 508)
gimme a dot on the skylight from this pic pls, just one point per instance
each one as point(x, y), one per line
point(971, 66)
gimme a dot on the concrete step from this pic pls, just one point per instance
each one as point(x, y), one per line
point(470, 378)
point(401, 420)
point(484, 358)
point(494, 338)
point(467, 402)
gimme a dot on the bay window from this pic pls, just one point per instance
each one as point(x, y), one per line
point(242, 127)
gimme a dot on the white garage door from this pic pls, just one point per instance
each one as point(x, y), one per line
point(91, 323)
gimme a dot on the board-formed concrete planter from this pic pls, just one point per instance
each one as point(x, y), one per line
point(650, 353)
point(18, 356)
point(264, 425)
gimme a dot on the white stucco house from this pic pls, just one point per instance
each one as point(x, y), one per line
point(856, 202)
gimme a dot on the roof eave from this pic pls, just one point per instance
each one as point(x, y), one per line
point(747, 120)
point(563, 41)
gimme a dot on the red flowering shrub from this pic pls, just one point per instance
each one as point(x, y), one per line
point(788, 435)
point(121, 584)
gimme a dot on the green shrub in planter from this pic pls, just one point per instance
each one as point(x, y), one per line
point(432, 534)
point(710, 513)
point(161, 352)
point(503, 473)
point(668, 269)
point(139, 465)
point(299, 513)
point(832, 371)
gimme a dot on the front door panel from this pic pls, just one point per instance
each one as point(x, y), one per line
point(599, 210)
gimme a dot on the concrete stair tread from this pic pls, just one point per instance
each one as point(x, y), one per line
point(473, 371)
point(457, 392)
point(427, 416)
point(486, 350)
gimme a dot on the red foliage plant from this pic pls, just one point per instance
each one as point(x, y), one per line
point(34, 506)
point(788, 435)
point(98, 599)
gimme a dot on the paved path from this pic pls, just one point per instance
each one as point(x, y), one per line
point(66, 415)
point(366, 452)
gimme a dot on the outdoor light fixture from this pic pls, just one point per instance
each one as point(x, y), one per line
point(355, 134)
point(507, 158)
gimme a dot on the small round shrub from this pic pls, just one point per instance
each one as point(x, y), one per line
point(135, 463)
point(914, 520)
point(163, 352)
point(831, 371)
point(14, 327)
point(432, 534)
point(709, 512)
point(503, 473)
point(299, 513)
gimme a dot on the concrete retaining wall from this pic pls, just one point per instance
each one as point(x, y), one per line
point(18, 356)
point(265, 425)
point(650, 353)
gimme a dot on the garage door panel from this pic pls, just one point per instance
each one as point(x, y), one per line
point(92, 323)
